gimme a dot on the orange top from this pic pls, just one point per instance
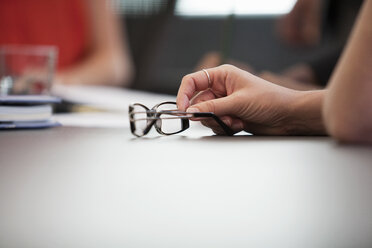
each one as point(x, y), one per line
point(46, 22)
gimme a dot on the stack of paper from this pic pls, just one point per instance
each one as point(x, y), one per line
point(31, 111)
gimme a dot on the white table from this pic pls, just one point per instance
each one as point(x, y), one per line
point(101, 187)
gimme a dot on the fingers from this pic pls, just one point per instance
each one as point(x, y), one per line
point(235, 124)
point(202, 97)
point(220, 106)
point(209, 60)
point(238, 125)
point(199, 81)
point(190, 85)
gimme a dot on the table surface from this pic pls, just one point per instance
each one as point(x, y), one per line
point(101, 187)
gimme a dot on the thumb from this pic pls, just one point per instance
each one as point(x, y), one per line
point(221, 106)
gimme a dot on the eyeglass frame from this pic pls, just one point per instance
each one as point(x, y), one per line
point(153, 115)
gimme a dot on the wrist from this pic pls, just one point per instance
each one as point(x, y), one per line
point(305, 115)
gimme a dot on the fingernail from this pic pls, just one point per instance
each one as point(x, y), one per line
point(192, 110)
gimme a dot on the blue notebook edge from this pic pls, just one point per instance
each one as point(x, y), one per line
point(29, 124)
point(29, 99)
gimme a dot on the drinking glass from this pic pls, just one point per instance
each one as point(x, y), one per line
point(26, 70)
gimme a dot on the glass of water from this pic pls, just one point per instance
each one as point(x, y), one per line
point(26, 70)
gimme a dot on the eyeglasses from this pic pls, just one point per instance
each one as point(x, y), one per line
point(166, 118)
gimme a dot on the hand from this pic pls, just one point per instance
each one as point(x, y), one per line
point(302, 26)
point(297, 77)
point(246, 102)
point(214, 59)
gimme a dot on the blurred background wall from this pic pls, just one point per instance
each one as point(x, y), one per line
point(167, 42)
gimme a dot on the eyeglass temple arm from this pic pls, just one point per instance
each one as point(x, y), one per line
point(228, 131)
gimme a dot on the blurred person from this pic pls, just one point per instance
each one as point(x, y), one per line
point(247, 102)
point(86, 32)
point(303, 26)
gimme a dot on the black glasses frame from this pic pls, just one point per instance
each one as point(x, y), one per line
point(154, 119)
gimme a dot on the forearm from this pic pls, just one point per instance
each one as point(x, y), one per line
point(100, 68)
point(305, 116)
point(108, 60)
point(348, 106)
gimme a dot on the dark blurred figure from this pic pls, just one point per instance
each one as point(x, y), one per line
point(146, 24)
point(304, 26)
point(86, 33)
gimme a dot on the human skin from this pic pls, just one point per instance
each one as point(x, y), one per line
point(298, 77)
point(108, 60)
point(302, 25)
point(348, 105)
point(246, 102)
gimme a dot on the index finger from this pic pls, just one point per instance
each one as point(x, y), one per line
point(193, 83)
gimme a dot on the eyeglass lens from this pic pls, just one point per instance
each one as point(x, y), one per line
point(168, 123)
point(140, 119)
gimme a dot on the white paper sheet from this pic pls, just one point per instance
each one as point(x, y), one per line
point(92, 119)
point(108, 98)
point(112, 100)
